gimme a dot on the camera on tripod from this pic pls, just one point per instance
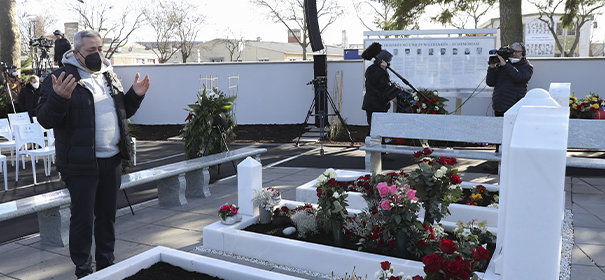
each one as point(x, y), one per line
point(41, 42)
point(505, 52)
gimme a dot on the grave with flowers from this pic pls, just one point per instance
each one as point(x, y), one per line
point(411, 212)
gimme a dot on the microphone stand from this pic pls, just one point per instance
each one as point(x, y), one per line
point(404, 80)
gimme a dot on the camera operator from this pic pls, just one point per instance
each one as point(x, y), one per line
point(509, 78)
point(14, 83)
point(62, 45)
point(28, 98)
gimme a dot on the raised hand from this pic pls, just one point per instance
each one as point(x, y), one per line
point(64, 88)
point(140, 87)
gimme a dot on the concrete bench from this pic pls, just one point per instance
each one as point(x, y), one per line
point(583, 134)
point(175, 182)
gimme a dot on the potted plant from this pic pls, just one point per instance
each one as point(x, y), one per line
point(265, 199)
point(228, 214)
point(209, 127)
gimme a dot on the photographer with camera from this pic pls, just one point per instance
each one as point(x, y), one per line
point(14, 83)
point(62, 45)
point(508, 73)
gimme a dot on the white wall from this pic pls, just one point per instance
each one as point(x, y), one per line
point(276, 92)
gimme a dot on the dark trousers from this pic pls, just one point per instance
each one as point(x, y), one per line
point(93, 206)
point(369, 119)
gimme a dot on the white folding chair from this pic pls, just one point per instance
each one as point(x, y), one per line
point(7, 132)
point(32, 134)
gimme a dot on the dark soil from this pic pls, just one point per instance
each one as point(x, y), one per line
point(162, 270)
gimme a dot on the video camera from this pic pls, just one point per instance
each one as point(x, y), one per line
point(504, 52)
point(41, 42)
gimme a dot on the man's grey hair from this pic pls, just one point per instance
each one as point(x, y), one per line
point(518, 44)
point(78, 43)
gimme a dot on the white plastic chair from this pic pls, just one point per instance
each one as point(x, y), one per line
point(18, 118)
point(7, 132)
point(32, 134)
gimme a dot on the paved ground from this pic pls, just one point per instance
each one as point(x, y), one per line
point(285, 167)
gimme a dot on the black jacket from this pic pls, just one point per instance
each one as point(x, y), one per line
point(377, 83)
point(73, 121)
point(28, 99)
point(61, 47)
point(509, 83)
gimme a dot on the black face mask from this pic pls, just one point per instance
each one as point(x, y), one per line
point(93, 61)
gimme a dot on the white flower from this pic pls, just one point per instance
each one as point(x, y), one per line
point(416, 98)
point(436, 108)
point(443, 169)
point(418, 110)
point(321, 179)
point(378, 274)
point(453, 187)
point(466, 232)
point(336, 195)
point(211, 95)
point(438, 173)
point(493, 206)
point(423, 105)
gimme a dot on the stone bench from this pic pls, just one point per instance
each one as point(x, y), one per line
point(583, 134)
point(175, 182)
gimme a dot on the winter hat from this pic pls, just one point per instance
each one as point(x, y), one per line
point(385, 55)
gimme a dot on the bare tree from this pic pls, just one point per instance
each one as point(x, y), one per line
point(33, 26)
point(188, 27)
point(381, 12)
point(10, 48)
point(585, 10)
point(291, 14)
point(111, 22)
point(235, 46)
point(176, 27)
point(459, 13)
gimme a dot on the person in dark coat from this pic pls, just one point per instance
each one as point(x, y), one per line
point(509, 79)
point(28, 98)
point(62, 46)
point(88, 109)
point(377, 82)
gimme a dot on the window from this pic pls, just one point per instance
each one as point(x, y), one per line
point(263, 59)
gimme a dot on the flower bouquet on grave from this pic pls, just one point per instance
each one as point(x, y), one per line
point(367, 186)
point(228, 214)
point(585, 108)
point(281, 216)
point(332, 201)
point(436, 183)
point(387, 272)
point(432, 104)
point(265, 199)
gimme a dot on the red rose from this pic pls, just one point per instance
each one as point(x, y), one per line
point(392, 242)
point(285, 208)
point(451, 161)
point(393, 278)
point(418, 154)
point(434, 113)
point(427, 151)
point(435, 99)
point(432, 263)
point(455, 269)
point(375, 235)
point(480, 254)
point(417, 277)
point(332, 183)
point(455, 179)
point(447, 246)
point(319, 192)
point(442, 160)
point(385, 265)
point(374, 211)
point(421, 244)
point(424, 110)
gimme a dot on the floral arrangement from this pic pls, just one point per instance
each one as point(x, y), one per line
point(368, 227)
point(266, 198)
point(227, 210)
point(432, 104)
point(208, 124)
point(367, 185)
point(495, 204)
point(332, 198)
point(478, 194)
point(584, 108)
point(307, 207)
point(474, 233)
point(427, 238)
point(305, 223)
point(436, 183)
point(283, 211)
point(386, 272)
point(400, 205)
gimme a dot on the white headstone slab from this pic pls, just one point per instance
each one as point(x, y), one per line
point(535, 197)
point(560, 92)
point(249, 177)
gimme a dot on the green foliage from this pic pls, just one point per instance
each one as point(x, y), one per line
point(209, 124)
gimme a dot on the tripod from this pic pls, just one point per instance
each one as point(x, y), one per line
point(319, 83)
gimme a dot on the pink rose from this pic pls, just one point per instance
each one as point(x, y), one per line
point(411, 194)
point(233, 210)
point(385, 205)
point(393, 189)
point(383, 189)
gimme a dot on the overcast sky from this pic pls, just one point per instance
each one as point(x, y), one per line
point(240, 18)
